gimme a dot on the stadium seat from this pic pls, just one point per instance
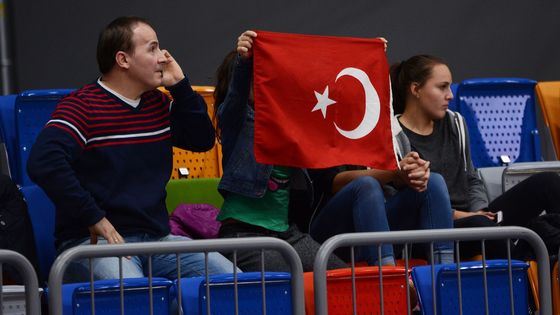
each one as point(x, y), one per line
point(517, 172)
point(339, 291)
point(492, 179)
point(42, 214)
point(33, 109)
point(250, 294)
point(453, 103)
point(195, 190)
point(76, 297)
point(548, 94)
point(501, 118)
point(472, 287)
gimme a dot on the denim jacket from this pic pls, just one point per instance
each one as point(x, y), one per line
point(236, 120)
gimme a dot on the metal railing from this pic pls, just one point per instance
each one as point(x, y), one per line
point(29, 277)
point(430, 236)
point(192, 246)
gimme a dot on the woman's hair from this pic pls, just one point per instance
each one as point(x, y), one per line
point(416, 69)
point(223, 77)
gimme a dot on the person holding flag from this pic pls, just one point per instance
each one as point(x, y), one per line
point(256, 196)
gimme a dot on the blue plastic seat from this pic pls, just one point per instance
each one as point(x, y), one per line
point(501, 118)
point(277, 287)
point(42, 213)
point(76, 297)
point(32, 111)
point(453, 103)
point(472, 287)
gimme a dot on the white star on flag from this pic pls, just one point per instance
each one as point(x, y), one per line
point(323, 101)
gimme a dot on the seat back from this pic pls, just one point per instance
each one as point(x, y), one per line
point(548, 94)
point(501, 119)
point(472, 287)
point(517, 172)
point(453, 103)
point(42, 213)
point(250, 290)
point(195, 190)
point(339, 291)
point(76, 297)
point(492, 179)
point(33, 109)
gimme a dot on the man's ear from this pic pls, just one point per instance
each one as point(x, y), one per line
point(121, 59)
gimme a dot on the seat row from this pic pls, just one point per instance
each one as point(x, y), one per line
point(485, 286)
point(501, 115)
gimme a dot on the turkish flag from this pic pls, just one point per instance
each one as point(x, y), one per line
point(322, 101)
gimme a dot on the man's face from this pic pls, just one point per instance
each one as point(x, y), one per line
point(146, 60)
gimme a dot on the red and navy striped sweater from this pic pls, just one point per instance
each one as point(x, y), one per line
point(100, 157)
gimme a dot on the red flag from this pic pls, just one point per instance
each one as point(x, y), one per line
point(322, 101)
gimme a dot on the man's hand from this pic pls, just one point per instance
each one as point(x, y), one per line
point(415, 171)
point(172, 72)
point(245, 44)
point(105, 229)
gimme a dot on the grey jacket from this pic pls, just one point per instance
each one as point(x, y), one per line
point(477, 195)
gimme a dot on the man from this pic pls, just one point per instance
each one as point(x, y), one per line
point(105, 156)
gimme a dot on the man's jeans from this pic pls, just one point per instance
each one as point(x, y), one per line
point(192, 264)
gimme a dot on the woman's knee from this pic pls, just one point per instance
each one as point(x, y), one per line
point(437, 185)
point(367, 185)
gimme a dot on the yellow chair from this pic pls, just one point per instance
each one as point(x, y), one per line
point(204, 164)
point(548, 94)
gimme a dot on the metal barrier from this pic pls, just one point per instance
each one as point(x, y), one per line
point(26, 271)
point(430, 236)
point(191, 246)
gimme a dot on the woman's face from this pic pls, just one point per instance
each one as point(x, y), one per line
point(435, 94)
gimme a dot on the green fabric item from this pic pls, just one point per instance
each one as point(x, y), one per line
point(194, 190)
point(269, 212)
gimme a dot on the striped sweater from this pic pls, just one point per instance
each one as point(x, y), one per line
point(100, 157)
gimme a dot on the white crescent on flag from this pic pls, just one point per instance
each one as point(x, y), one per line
point(372, 103)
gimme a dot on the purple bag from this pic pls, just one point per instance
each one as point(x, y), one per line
point(197, 221)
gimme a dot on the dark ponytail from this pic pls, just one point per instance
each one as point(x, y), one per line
point(416, 69)
point(399, 95)
point(223, 77)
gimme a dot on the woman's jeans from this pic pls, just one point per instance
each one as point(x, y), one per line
point(360, 206)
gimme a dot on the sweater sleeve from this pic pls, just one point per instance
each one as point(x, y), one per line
point(478, 198)
point(49, 165)
point(191, 127)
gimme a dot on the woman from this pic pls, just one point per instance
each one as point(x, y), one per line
point(257, 197)
point(354, 200)
point(421, 94)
